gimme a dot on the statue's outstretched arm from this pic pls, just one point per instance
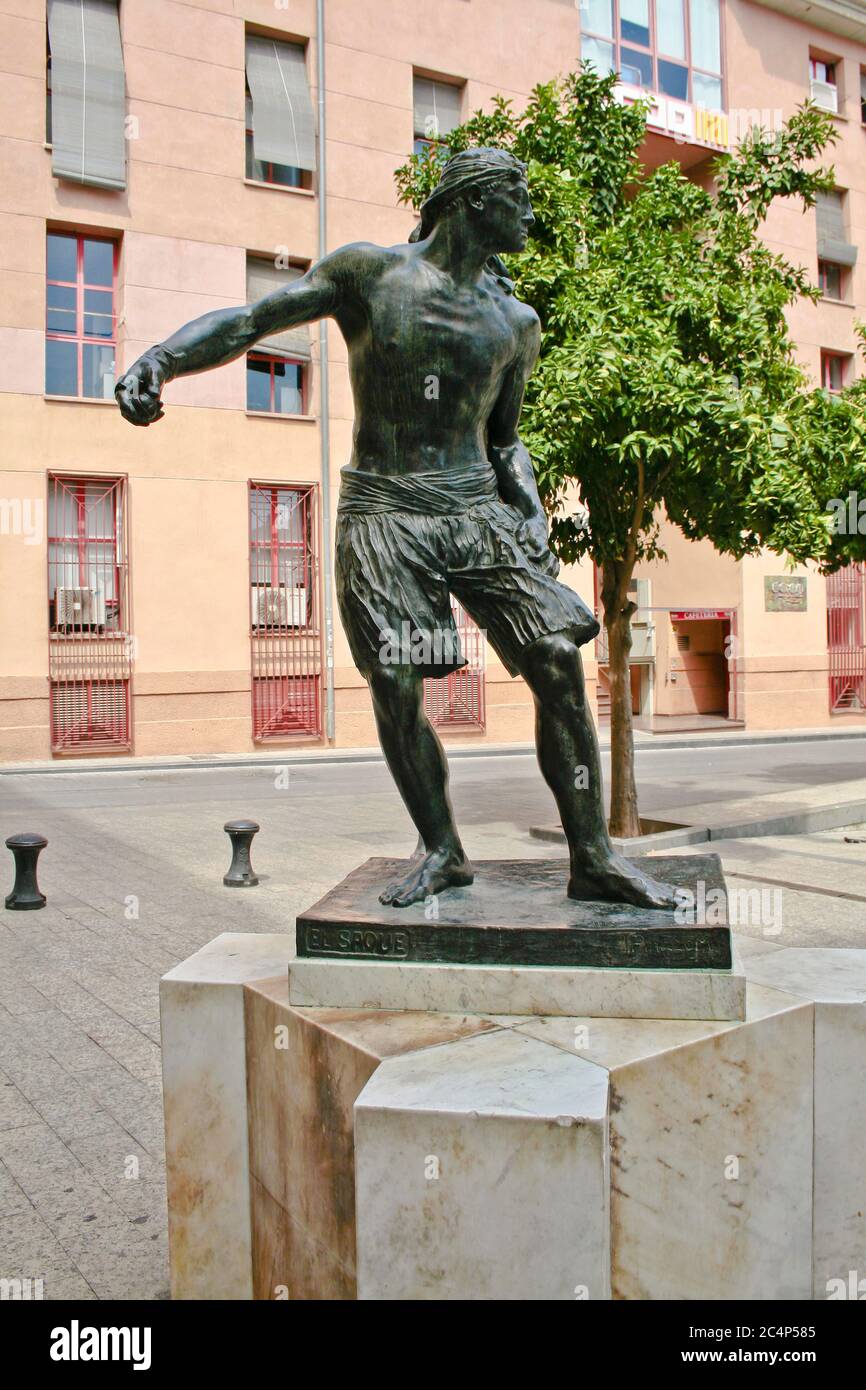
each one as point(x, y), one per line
point(224, 334)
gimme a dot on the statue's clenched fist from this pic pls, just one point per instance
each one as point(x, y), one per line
point(138, 391)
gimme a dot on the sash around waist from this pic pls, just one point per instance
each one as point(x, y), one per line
point(439, 493)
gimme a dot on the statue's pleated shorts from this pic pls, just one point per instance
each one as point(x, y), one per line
point(395, 571)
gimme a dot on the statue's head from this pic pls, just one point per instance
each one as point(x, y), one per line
point(488, 188)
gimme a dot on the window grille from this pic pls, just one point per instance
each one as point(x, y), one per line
point(846, 638)
point(457, 701)
point(286, 658)
point(90, 648)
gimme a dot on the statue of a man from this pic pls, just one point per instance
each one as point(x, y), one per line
point(439, 498)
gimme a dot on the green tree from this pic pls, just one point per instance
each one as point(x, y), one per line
point(668, 384)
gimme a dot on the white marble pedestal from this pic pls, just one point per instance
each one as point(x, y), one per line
point(546, 991)
point(414, 1154)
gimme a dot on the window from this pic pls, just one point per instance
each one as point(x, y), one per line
point(278, 371)
point(80, 316)
point(261, 171)
point(831, 229)
point(863, 95)
point(672, 47)
point(280, 125)
point(286, 648)
point(87, 93)
point(834, 370)
point(823, 88)
point(846, 637)
point(89, 648)
point(274, 385)
point(456, 701)
point(831, 278)
point(436, 110)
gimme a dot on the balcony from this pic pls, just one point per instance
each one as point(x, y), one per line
point(697, 132)
point(845, 17)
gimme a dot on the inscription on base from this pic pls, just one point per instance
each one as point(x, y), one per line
point(357, 941)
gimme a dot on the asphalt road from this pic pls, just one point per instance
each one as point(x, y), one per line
point(506, 788)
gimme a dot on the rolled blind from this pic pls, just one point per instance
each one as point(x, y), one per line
point(832, 242)
point(88, 92)
point(436, 108)
point(284, 128)
point(263, 278)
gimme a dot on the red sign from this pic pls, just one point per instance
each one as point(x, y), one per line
point(699, 615)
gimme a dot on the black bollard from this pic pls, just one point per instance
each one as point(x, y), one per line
point(26, 848)
point(240, 874)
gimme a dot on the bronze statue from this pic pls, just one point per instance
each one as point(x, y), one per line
point(440, 497)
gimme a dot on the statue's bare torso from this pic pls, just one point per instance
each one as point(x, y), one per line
point(428, 360)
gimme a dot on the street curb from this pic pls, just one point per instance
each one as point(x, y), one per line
point(186, 762)
point(787, 823)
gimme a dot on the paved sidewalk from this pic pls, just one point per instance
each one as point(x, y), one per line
point(133, 875)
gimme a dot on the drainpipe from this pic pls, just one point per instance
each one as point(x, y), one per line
point(324, 395)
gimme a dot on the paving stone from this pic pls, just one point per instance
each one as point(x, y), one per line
point(15, 1108)
point(13, 1198)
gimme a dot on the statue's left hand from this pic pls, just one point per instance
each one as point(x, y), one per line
point(532, 536)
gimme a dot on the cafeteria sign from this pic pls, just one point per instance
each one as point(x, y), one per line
point(784, 593)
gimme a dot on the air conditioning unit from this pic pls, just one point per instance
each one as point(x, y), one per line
point(825, 94)
point(79, 608)
point(277, 606)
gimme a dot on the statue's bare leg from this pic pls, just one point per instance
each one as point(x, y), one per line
point(569, 761)
point(420, 769)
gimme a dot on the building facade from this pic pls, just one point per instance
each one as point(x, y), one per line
point(170, 590)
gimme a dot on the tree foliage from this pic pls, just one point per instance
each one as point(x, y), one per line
point(668, 383)
point(668, 378)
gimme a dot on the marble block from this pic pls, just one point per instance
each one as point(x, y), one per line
point(710, 1149)
point(305, 1069)
point(342, 1153)
point(481, 1173)
point(205, 1098)
point(835, 981)
point(705, 1178)
point(534, 989)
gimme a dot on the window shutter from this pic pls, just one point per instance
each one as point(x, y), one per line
point(436, 108)
point(263, 278)
point(284, 129)
point(88, 92)
point(832, 243)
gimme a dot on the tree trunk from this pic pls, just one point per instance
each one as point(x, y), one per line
point(624, 818)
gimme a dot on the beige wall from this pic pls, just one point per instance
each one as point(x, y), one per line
point(187, 221)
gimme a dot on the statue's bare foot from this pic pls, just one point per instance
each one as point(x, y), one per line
point(440, 869)
point(610, 877)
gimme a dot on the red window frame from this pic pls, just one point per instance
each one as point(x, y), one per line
point(285, 655)
point(273, 358)
point(457, 701)
point(81, 489)
point(80, 338)
point(90, 664)
point(829, 67)
point(267, 542)
point(652, 51)
point(823, 267)
point(827, 359)
point(846, 638)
